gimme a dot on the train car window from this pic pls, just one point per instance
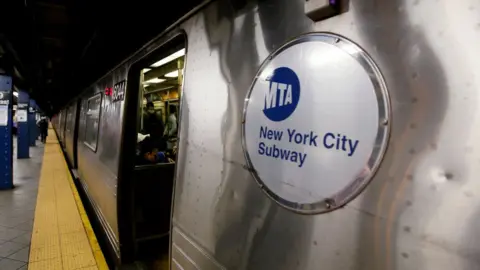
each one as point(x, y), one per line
point(160, 90)
point(92, 121)
point(69, 119)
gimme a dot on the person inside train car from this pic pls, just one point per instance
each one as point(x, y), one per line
point(152, 123)
point(151, 144)
point(150, 151)
point(171, 129)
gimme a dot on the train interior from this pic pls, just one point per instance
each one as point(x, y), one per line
point(160, 84)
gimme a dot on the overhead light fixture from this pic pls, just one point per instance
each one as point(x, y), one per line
point(15, 93)
point(172, 74)
point(154, 80)
point(169, 58)
point(145, 70)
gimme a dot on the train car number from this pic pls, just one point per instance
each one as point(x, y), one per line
point(119, 91)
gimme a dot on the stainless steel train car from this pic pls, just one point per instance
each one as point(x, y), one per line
point(402, 75)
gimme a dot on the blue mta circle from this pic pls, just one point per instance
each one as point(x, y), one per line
point(282, 95)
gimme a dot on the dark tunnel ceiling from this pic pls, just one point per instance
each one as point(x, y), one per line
point(61, 46)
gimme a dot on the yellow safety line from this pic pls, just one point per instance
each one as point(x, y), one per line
point(97, 252)
point(56, 238)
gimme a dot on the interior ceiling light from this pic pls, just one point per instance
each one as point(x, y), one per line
point(145, 70)
point(172, 74)
point(169, 58)
point(154, 80)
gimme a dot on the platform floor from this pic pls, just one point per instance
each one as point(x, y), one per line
point(17, 209)
point(62, 236)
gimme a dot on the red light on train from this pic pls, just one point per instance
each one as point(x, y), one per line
point(108, 91)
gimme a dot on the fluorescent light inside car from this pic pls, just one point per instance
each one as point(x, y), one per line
point(15, 94)
point(154, 80)
point(172, 74)
point(169, 58)
point(145, 70)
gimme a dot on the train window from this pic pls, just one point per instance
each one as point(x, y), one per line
point(160, 90)
point(92, 121)
point(69, 119)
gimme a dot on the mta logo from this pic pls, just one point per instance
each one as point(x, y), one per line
point(281, 99)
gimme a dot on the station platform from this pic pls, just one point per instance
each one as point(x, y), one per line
point(62, 236)
point(17, 210)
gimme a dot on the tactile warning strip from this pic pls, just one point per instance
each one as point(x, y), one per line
point(62, 236)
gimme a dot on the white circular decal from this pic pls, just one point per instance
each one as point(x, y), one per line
point(316, 123)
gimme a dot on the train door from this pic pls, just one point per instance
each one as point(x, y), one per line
point(60, 126)
point(156, 82)
point(71, 133)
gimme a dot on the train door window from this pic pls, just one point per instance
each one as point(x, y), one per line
point(159, 95)
point(92, 121)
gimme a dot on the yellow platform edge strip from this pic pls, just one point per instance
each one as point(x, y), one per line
point(92, 239)
point(52, 263)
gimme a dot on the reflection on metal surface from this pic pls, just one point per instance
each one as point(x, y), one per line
point(419, 212)
point(232, 45)
point(101, 217)
point(343, 94)
point(189, 255)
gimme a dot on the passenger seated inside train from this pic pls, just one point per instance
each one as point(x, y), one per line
point(151, 144)
point(155, 142)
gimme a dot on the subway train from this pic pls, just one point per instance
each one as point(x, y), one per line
point(311, 135)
